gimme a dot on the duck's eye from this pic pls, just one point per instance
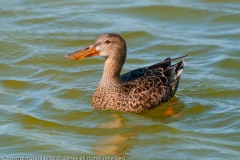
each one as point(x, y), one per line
point(107, 41)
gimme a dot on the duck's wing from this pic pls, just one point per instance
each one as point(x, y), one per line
point(148, 87)
point(164, 67)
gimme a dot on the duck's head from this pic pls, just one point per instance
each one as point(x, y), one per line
point(109, 45)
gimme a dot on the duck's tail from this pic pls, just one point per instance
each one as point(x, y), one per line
point(178, 70)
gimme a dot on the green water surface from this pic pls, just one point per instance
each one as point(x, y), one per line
point(45, 100)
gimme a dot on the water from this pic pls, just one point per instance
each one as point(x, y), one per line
point(45, 100)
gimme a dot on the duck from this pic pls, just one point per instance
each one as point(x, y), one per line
point(136, 91)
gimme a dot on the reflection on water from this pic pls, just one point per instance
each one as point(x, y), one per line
point(45, 100)
point(116, 144)
point(119, 143)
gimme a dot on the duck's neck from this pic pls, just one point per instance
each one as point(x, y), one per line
point(111, 72)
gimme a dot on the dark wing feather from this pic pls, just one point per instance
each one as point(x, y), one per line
point(134, 74)
point(165, 65)
point(137, 73)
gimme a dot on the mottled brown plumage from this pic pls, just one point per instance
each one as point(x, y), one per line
point(136, 91)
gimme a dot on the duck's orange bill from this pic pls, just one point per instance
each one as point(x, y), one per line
point(85, 52)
